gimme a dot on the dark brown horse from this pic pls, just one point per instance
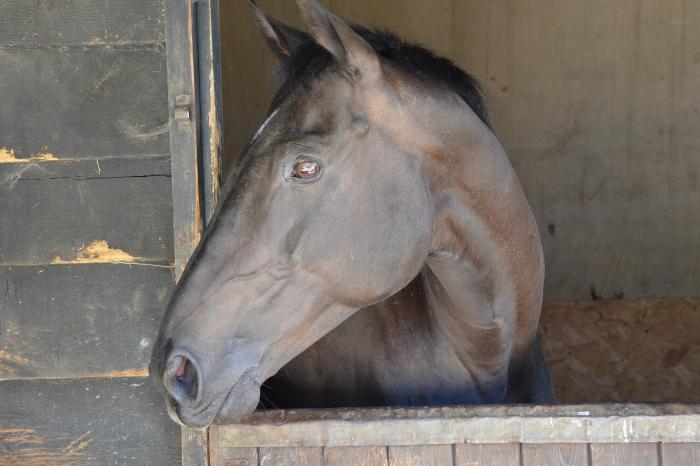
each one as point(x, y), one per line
point(374, 246)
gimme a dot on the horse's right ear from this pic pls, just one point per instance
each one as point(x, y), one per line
point(347, 46)
point(282, 39)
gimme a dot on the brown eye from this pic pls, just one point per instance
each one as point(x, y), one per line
point(306, 170)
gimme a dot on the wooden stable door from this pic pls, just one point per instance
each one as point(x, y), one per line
point(109, 148)
point(86, 231)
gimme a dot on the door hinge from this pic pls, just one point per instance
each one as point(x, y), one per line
point(182, 112)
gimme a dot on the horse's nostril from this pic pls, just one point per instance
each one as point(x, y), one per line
point(181, 370)
point(181, 378)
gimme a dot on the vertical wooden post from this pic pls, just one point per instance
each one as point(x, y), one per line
point(194, 93)
point(210, 96)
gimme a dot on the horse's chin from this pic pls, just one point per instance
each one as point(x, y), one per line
point(240, 402)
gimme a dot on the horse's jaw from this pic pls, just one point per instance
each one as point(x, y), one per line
point(238, 404)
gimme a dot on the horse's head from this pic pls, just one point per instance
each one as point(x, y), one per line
point(328, 212)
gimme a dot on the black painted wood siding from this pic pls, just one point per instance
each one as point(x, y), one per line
point(86, 231)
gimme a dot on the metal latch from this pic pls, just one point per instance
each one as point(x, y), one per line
point(183, 112)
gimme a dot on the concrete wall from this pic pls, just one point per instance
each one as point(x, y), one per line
point(596, 102)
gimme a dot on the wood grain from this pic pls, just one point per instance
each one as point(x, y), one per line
point(624, 454)
point(355, 456)
point(484, 424)
point(85, 422)
point(555, 454)
point(88, 22)
point(298, 456)
point(506, 454)
point(680, 454)
point(195, 447)
point(417, 455)
point(62, 216)
point(70, 102)
point(222, 454)
point(80, 321)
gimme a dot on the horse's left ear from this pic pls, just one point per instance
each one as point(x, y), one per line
point(348, 47)
point(283, 40)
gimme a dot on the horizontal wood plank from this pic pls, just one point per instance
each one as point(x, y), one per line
point(56, 220)
point(85, 422)
point(467, 424)
point(61, 22)
point(80, 320)
point(77, 102)
point(75, 169)
point(555, 454)
point(624, 454)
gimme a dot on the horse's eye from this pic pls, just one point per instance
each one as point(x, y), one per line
point(306, 170)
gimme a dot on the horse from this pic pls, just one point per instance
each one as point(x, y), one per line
point(373, 246)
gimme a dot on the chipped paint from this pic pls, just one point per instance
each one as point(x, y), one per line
point(214, 141)
point(97, 252)
point(141, 372)
point(22, 449)
point(13, 358)
point(7, 155)
point(79, 443)
point(25, 436)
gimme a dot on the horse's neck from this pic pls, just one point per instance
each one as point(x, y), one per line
point(484, 275)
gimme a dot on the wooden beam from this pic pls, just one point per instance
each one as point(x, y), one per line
point(479, 424)
point(80, 22)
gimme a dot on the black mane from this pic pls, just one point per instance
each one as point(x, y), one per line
point(310, 59)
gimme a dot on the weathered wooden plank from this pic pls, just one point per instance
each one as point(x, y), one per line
point(195, 447)
point(507, 454)
point(296, 456)
point(624, 454)
point(66, 221)
point(86, 422)
point(419, 455)
point(623, 350)
point(355, 456)
point(99, 167)
point(60, 22)
point(472, 424)
point(554, 454)
point(680, 454)
point(76, 102)
point(81, 320)
point(222, 454)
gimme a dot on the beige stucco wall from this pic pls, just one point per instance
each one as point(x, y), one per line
point(597, 103)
